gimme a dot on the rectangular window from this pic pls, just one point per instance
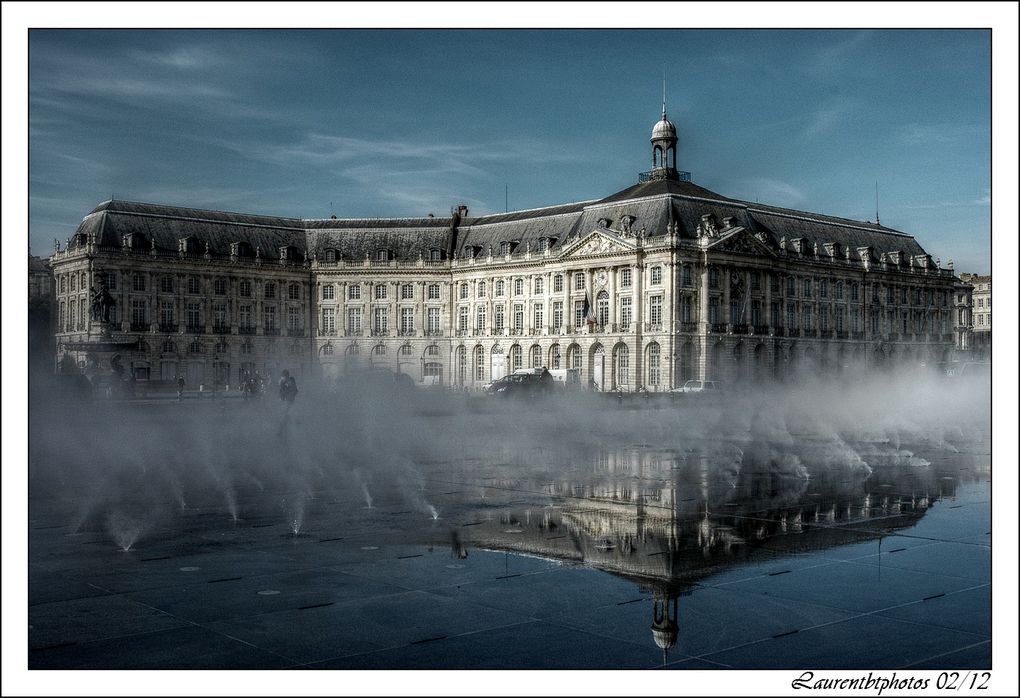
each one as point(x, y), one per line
point(539, 286)
point(328, 321)
point(406, 321)
point(433, 320)
point(756, 313)
point(381, 321)
point(518, 287)
point(686, 275)
point(807, 288)
point(558, 283)
point(578, 313)
point(245, 317)
point(626, 311)
point(839, 290)
point(855, 320)
point(518, 316)
point(406, 292)
point(823, 319)
point(775, 316)
point(269, 318)
point(855, 292)
point(791, 316)
point(823, 288)
point(497, 318)
point(270, 290)
point(655, 310)
point(327, 292)
point(293, 319)
point(354, 292)
point(354, 321)
point(713, 311)
point(888, 294)
point(539, 317)
point(220, 287)
point(111, 281)
point(464, 291)
point(138, 314)
point(558, 315)
point(294, 292)
point(809, 320)
point(194, 311)
point(244, 288)
point(433, 290)
point(462, 319)
point(656, 276)
point(625, 275)
point(380, 292)
point(840, 313)
point(480, 318)
point(791, 286)
point(166, 283)
point(736, 313)
point(686, 309)
point(578, 281)
point(194, 285)
point(755, 281)
point(166, 314)
point(774, 282)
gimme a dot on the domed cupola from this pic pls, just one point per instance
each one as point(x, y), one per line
point(664, 149)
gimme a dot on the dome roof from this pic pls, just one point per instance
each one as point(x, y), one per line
point(663, 129)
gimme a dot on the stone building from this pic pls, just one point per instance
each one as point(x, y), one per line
point(41, 324)
point(644, 289)
point(982, 315)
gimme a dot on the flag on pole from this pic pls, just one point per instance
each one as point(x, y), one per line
point(589, 312)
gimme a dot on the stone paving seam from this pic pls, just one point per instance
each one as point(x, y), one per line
point(946, 654)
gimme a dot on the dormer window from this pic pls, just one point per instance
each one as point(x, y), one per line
point(241, 249)
point(330, 256)
point(504, 247)
point(188, 245)
point(134, 240)
point(382, 255)
point(435, 255)
point(604, 222)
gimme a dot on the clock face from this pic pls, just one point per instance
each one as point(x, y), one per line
point(601, 277)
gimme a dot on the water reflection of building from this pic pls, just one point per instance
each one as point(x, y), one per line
point(642, 289)
point(667, 520)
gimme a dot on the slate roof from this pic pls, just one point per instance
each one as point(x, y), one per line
point(650, 205)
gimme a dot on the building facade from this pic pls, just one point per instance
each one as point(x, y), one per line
point(981, 325)
point(654, 285)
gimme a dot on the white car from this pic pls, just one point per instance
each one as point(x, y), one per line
point(699, 387)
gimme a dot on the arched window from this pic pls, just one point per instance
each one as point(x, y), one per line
point(536, 356)
point(196, 347)
point(462, 365)
point(500, 286)
point(327, 350)
point(432, 350)
point(479, 363)
point(463, 291)
point(481, 289)
point(622, 364)
point(515, 357)
point(654, 364)
point(168, 347)
point(554, 356)
point(379, 350)
point(602, 309)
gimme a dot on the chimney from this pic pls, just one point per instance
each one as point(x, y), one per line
point(462, 211)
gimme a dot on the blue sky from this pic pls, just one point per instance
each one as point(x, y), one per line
point(395, 123)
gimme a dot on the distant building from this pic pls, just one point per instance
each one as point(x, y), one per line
point(41, 326)
point(982, 317)
point(643, 289)
point(963, 319)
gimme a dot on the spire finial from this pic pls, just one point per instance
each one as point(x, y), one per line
point(663, 90)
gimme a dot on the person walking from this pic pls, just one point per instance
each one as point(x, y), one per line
point(180, 388)
point(288, 388)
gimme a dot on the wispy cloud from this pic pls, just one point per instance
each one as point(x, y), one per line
point(937, 134)
point(837, 57)
point(774, 191)
point(983, 201)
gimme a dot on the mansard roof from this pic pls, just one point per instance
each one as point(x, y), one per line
point(648, 206)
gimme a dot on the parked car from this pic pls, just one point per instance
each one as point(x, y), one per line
point(696, 386)
point(516, 385)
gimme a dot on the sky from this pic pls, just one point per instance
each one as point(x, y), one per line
point(387, 123)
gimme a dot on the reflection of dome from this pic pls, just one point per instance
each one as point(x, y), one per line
point(663, 129)
point(666, 635)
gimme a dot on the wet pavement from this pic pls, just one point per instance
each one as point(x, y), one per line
point(865, 550)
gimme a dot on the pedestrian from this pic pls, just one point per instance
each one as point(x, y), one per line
point(180, 388)
point(288, 388)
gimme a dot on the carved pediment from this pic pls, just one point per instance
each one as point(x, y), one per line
point(742, 241)
point(599, 242)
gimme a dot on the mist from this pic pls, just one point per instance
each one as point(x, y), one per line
point(141, 474)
